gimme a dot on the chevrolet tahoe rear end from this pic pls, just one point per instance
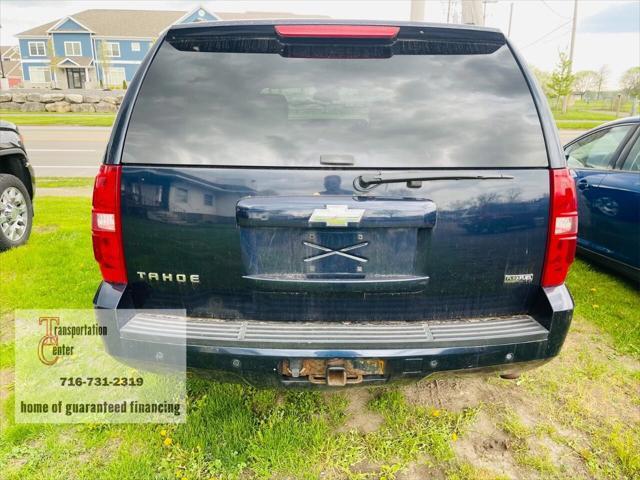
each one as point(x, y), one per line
point(335, 204)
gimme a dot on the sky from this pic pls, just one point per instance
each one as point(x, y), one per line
point(608, 31)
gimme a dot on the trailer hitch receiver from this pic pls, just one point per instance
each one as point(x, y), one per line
point(335, 372)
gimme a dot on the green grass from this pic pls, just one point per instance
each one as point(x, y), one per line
point(38, 274)
point(610, 302)
point(584, 115)
point(577, 124)
point(238, 432)
point(532, 458)
point(58, 182)
point(409, 431)
point(577, 119)
point(71, 119)
point(601, 106)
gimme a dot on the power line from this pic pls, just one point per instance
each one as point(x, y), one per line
point(552, 10)
point(547, 34)
point(560, 34)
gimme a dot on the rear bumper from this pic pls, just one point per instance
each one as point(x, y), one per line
point(254, 352)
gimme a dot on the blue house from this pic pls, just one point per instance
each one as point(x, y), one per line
point(95, 48)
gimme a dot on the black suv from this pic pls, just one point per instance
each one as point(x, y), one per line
point(17, 187)
point(335, 203)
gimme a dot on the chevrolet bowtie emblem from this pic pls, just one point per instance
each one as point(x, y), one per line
point(336, 215)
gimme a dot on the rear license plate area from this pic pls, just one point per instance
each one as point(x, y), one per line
point(331, 254)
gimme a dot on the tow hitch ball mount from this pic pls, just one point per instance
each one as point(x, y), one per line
point(336, 372)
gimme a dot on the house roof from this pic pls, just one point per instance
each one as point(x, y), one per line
point(143, 23)
point(9, 50)
point(11, 68)
point(72, 61)
point(118, 23)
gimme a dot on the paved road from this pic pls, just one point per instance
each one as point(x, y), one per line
point(65, 151)
point(566, 135)
point(77, 151)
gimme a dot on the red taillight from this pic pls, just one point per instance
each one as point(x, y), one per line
point(337, 31)
point(563, 228)
point(105, 225)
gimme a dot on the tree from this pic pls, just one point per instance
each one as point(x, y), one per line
point(561, 79)
point(543, 79)
point(104, 61)
point(52, 61)
point(603, 75)
point(630, 82)
point(585, 81)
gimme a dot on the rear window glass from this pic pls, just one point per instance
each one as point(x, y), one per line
point(264, 109)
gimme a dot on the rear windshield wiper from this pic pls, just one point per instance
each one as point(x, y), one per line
point(367, 182)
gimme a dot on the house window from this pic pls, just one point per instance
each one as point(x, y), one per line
point(37, 49)
point(112, 49)
point(208, 199)
point(135, 47)
point(72, 49)
point(182, 195)
point(114, 76)
point(40, 74)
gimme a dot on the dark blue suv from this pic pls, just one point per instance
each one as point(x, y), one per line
point(335, 203)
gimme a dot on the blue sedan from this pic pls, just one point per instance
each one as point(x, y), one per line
point(605, 163)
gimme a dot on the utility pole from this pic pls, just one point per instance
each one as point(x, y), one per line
point(484, 10)
point(417, 10)
point(565, 103)
point(449, 12)
point(472, 12)
point(510, 19)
